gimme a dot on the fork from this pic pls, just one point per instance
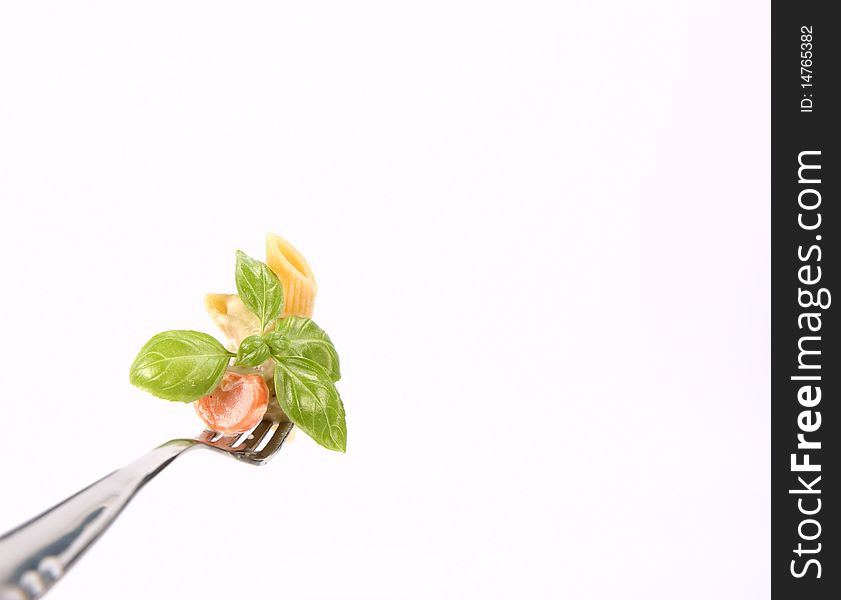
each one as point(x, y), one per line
point(35, 555)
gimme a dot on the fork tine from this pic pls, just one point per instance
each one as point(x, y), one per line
point(271, 431)
point(258, 434)
point(227, 441)
point(275, 442)
point(241, 440)
point(206, 436)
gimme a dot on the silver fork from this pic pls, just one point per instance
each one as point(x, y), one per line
point(35, 555)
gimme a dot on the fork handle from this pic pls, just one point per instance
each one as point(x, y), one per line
point(35, 555)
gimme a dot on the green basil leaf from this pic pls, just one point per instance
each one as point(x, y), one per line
point(180, 365)
point(278, 344)
point(253, 352)
point(310, 399)
point(302, 337)
point(259, 288)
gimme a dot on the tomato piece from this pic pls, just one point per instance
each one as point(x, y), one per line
point(236, 405)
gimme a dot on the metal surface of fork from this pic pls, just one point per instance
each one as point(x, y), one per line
point(35, 555)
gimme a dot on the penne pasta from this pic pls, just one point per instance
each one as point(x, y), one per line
point(299, 287)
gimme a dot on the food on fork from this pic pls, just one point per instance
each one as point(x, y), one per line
point(275, 353)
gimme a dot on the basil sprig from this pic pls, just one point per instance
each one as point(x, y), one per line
point(183, 366)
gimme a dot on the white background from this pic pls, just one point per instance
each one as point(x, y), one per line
point(541, 234)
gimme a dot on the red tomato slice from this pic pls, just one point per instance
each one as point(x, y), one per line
point(236, 405)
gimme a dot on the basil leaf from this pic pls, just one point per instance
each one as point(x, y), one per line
point(258, 288)
point(180, 365)
point(278, 344)
point(310, 399)
point(302, 337)
point(253, 352)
